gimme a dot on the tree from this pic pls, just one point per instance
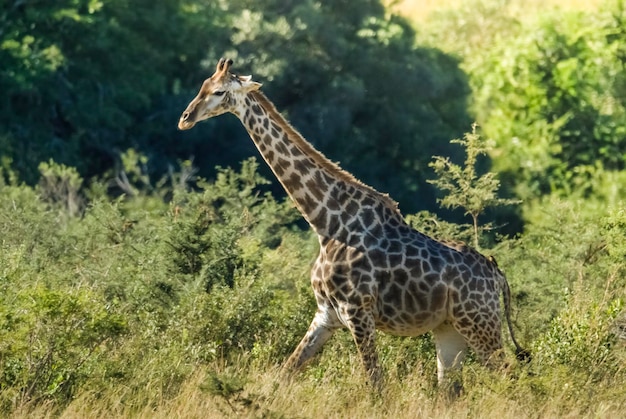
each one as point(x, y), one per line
point(87, 80)
point(83, 80)
point(552, 96)
point(353, 83)
point(465, 188)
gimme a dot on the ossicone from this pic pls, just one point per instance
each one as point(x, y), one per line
point(224, 64)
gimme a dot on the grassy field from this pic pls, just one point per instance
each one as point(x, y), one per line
point(119, 313)
point(342, 394)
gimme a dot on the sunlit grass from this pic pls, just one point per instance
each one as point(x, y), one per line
point(265, 392)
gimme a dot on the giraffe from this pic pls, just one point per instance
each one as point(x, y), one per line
point(373, 270)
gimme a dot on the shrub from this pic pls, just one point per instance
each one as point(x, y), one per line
point(463, 185)
point(582, 337)
point(551, 95)
point(50, 340)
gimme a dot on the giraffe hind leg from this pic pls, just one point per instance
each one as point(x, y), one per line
point(451, 349)
point(485, 338)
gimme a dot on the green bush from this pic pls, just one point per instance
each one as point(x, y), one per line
point(582, 337)
point(551, 95)
point(50, 341)
point(465, 187)
point(112, 297)
point(109, 303)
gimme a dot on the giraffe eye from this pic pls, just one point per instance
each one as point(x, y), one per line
point(219, 93)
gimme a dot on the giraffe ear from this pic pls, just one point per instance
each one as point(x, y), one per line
point(248, 84)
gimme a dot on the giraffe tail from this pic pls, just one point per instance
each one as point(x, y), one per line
point(520, 353)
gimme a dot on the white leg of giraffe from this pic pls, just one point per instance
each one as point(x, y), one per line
point(320, 330)
point(451, 349)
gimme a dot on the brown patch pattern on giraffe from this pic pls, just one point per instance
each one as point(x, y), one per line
point(373, 270)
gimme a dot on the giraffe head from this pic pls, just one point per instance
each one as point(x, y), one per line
point(217, 95)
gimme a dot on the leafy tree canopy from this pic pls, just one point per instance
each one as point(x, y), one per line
point(549, 89)
point(86, 80)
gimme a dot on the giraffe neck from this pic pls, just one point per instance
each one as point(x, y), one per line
point(333, 202)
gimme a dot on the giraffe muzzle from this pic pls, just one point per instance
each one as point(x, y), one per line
point(184, 123)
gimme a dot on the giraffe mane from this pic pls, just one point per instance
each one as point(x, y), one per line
point(318, 157)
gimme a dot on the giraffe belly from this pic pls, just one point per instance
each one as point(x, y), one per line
point(414, 324)
point(411, 310)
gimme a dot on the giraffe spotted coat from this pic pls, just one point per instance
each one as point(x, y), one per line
point(373, 271)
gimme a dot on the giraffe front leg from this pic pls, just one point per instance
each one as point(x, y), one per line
point(318, 333)
point(363, 331)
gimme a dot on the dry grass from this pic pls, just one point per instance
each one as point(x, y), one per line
point(267, 393)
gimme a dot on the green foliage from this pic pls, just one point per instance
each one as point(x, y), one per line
point(464, 187)
point(89, 302)
point(582, 337)
point(136, 294)
point(80, 77)
point(59, 185)
point(86, 79)
point(228, 322)
point(564, 248)
point(549, 90)
point(428, 223)
point(613, 228)
point(226, 387)
point(210, 228)
point(50, 340)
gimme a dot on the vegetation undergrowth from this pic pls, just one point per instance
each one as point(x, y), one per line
point(146, 307)
point(130, 286)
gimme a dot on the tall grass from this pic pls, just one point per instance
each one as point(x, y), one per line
point(159, 351)
point(142, 309)
point(262, 391)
